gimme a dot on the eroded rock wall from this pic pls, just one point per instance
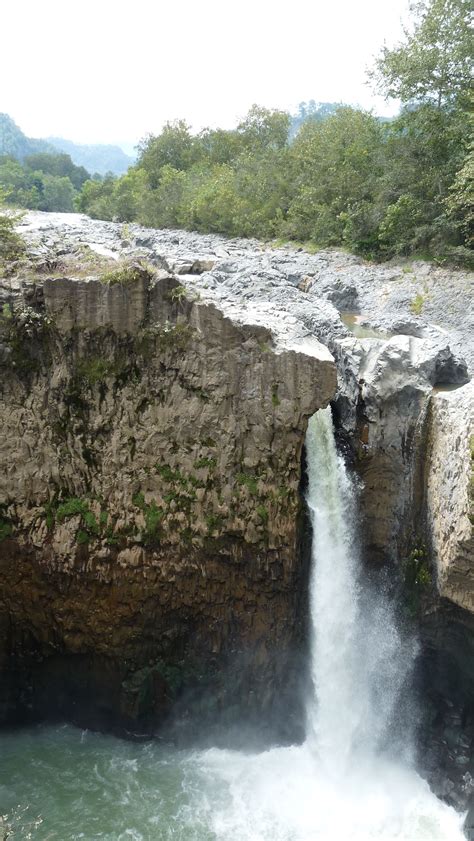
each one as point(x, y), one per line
point(450, 494)
point(150, 463)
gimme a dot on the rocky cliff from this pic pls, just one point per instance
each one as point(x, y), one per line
point(450, 493)
point(150, 454)
point(155, 395)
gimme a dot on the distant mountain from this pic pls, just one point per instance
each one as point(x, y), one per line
point(13, 142)
point(317, 112)
point(312, 110)
point(99, 158)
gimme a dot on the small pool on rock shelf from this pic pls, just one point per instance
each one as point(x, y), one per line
point(353, 322)
point(351, 780)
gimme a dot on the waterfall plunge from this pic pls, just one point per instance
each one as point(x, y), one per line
point(359, 661)
point(352, 779)
point(346, 782)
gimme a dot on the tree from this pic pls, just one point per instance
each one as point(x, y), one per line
point(21, 188)
point(95, 198)
point(11, 244)
point(434, 62)
point(128, 195)
point(336, 164)
point(161, 206)
point(174, 147)
point(460, 203)
point(59, 164)
point(264, 128)
point(219, 146)
point(57, 194)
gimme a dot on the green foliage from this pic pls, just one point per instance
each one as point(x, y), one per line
point(59, 165)
point(56, 194)
point(460, 201)
point(264, 129)
point(162, 205)
point(170, 475)
point(417, 577)
point(42, 181)
point(153, 516)
point(20, 186)
point(93, 370)
point(205, 462)
point(177, 294)
point(95, 198)
point(89, 527)
point(128, 196)
point(25, 331)
point(434, 63)
point(164, 337)
point(6, 528)
point(74, 506)
point(379, 188)
point(416, 305)
point(397, 226)
point(11, 245)
point(175, 147)
point(214, 523)
point(124, 275)
point(249, 481)
point(312, 111)
point(336, 165)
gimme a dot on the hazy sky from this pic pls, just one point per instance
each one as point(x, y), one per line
point(103, 71)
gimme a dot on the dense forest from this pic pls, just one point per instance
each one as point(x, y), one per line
point(42, 181)
point(337, 176)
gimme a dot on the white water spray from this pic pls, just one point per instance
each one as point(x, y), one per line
point(346, 781)
point(359, 661)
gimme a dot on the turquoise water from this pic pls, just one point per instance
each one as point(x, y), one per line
point(89, 786)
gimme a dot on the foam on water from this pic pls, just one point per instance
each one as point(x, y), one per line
point(350, 780)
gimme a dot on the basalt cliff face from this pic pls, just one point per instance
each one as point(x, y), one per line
point(153, 531)
point(150, 454)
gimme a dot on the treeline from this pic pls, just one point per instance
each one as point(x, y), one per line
point(42, 181)
point(379, 188)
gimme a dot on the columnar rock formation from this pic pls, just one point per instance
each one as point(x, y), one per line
point(150, 460)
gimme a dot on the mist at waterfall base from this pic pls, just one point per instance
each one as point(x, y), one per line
point(351, 780)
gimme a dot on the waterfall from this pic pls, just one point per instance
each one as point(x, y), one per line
point(353, 777)
point(359, 661)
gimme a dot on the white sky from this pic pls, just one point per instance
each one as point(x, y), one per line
point(111, 71)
